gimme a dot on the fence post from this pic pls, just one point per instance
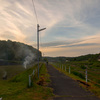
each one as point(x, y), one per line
point(33, 72)
point(86, 75)
point(29, 80)
point(62, 67)
point(69, 69)
point(65, 68)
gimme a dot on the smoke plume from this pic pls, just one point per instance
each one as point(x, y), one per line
point(4, 75)
point(29, 58)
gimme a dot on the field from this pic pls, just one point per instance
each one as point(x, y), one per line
point(11, 70)
point(17, 87)
point(77, 70)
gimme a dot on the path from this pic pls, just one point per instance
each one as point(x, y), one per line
point(67, 89)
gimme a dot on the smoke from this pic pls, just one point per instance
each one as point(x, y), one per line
point(5, 75)
point(16, 51)
point(29, 58)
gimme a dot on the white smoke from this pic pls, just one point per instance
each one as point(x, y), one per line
point(5, 75)
point(29, 58)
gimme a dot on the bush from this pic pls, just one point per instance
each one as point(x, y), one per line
point(79, 74)
point(96, 64)
point(99, 81)
point(90, 63)
point(83, 67)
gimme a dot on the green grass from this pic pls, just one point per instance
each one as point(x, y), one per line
point(78, 73)
point(17, 87)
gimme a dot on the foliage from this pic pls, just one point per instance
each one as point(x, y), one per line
point(89, 57)
point(15, 51)
point(17, 87)
point(83, 67)
point(78, 74)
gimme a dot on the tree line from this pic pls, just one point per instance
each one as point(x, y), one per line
point(16, 51)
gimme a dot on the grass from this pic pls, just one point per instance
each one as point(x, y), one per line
point(11, 70)
point(17, 87)
point(78, 73)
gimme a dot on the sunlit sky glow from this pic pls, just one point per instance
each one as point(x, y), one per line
point(73, 26)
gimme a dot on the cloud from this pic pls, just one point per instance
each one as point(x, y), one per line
point(86, 45)
point(69, 23)
point(19, 15)
point(71, 51)
point(86, 41)
point(15, 20)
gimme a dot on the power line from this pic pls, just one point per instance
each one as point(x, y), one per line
point(35, 12)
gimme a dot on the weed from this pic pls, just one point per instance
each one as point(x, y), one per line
point(78, 74)
point(17, 87)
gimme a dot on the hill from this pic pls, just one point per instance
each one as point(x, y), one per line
point(89, 57)
point(13, 52)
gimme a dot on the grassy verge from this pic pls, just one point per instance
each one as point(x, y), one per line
point(88, 86)
point(17, 87)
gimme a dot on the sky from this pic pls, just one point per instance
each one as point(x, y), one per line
point(72, 26)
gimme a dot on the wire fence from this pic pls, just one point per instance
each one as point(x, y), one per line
point(31, 76)
point(88, 75)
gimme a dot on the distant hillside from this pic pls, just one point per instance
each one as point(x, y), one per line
point(16, 51)
point(89, 57)
point(54, 59)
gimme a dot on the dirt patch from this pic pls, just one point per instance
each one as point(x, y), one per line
point(84, 83)
point(41, 81)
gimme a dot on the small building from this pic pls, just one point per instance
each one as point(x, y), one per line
point(67, 60)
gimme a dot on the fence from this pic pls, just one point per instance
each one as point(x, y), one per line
point(32, 75)
point(88, 75)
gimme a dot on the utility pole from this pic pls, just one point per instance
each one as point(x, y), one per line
point(38, 30)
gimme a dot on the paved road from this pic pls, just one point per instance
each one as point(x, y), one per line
point(67, 89)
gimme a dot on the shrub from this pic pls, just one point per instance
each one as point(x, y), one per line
point(79, 74)
point(83, 67)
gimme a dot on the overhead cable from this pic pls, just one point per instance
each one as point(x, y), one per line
point(35, 11)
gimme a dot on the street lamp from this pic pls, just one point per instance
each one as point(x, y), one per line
point(38, 30)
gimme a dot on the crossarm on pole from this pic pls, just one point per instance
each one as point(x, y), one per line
point(42, 29)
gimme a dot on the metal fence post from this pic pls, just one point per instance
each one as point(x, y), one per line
point(65, 68)
point(62, 67)
point(29, 80)
point(86, 75)
point(69, 69)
